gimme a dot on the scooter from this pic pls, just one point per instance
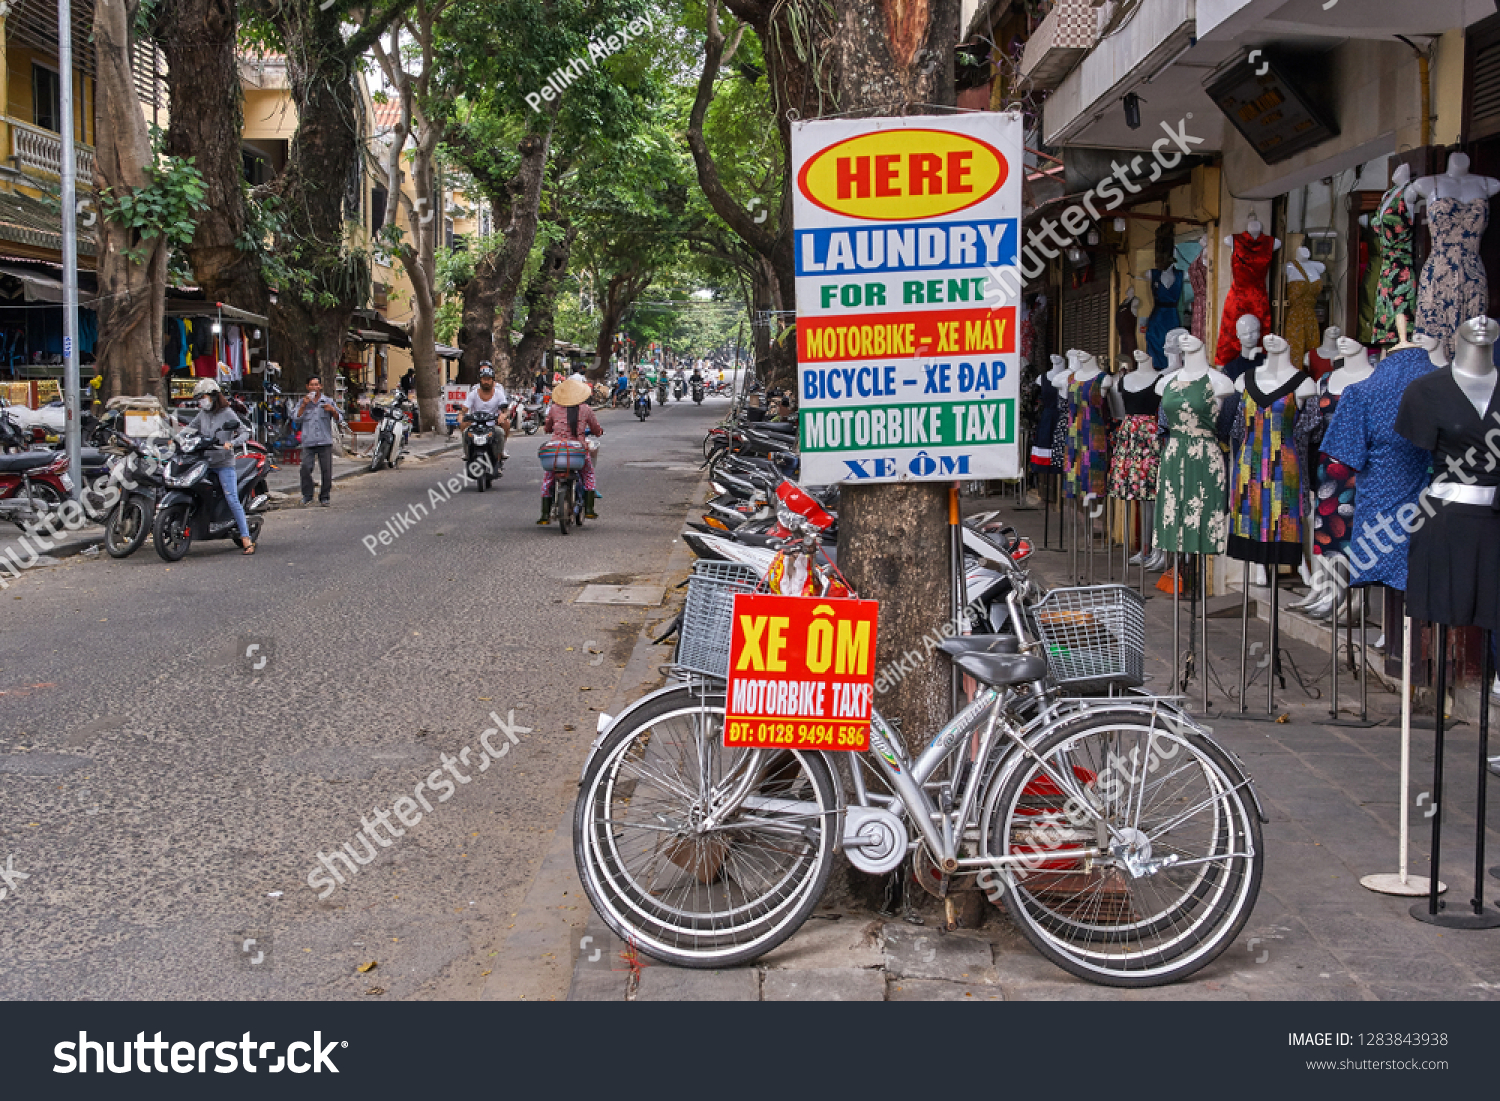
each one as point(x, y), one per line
point(679, 387)
point(137, 476)
point(481, 450)
point(194, 506)
point(697, 391)
point(33, 484)
point(529, 415)
point(661, 391)
point(642, 404)
point(392, 435)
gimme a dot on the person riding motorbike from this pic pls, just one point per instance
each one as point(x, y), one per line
point(487, 397)
point(622, 388)
point(570, 418)
point(214, 418)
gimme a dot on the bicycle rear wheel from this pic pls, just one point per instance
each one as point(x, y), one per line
point(691, 896)
point(1139, 848)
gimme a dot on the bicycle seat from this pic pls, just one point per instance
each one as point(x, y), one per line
point(999, 670)
point(981, 644)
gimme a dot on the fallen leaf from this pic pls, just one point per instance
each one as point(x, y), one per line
point(366, 967)
point(482, 974)
point(376, 990)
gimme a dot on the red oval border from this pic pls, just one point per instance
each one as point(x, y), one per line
point(999, 182)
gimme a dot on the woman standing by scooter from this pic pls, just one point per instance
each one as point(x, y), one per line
point(215, 417)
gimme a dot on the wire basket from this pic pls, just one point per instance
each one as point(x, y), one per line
point(708, 615)
point(1095, 636)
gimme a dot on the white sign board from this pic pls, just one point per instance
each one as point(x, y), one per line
point(906, 341)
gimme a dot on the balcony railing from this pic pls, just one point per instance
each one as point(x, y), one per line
point(36, 150)
point(1061, 40)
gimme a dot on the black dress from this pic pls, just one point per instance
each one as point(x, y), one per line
point(1453, 568)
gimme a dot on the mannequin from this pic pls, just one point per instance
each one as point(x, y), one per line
point(1333, 483)
point(1058, 379)
point(1453, 286)
point(1172, 349)
point(1088, 432)
point(1111, 383)
point(1399, 179)
point(1046, 424)
point(1250, 262)
point(1433, 347)
point(1319, 361)
point(1455, 556)
point(1198, 280)
point(1304, 282)
point(1247, 332)
point(1390, 290)
point(1134, 463)
point(1265, 492)
point(1190, 516)
point(1166, 290)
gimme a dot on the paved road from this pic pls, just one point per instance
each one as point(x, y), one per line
point(168, 803)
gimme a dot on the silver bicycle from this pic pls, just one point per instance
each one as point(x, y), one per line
point(1124, 841)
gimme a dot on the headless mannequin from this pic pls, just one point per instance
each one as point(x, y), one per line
point(1133, 301)
point(1172, 349)
point(1329, 349)
point(1434, 347)
point(1474, 363)
point(1356, 365)
point(1087, 367)
point(1058, 376)
point(1195, 365)
point(1277, 371)
point(1168, 276)
point(1253, 227)
point(1456, 182)
point(1399, 179)
point(1142, 375)
point(1314, 268)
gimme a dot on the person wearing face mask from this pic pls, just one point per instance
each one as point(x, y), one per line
point(217, 421)
point(317, 414)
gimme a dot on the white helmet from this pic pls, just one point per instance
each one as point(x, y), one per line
point(205, 386)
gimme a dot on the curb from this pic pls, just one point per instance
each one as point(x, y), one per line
point(294, 484)
point(537, 930)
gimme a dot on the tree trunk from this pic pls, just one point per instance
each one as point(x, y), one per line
point(541, 302)
point(618, 294)
point(205, 123)
point(132, 289)
point(489, 298)
point(894, 539)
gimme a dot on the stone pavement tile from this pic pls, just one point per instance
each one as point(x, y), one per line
point(933, 990)
point(852, 941)
point(824, 984)
point(599, 986)
point(1413, 992)
point(663, 983)
point(1415, 969)
point(914, 953)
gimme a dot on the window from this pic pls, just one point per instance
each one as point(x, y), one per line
point(46, 98)
point(378, 199)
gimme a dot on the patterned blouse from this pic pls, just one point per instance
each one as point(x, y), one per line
point(557, 423)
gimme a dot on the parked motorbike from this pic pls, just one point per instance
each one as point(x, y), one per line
point(194, 506)
point(642, 404)
point(33, 484)
point(137, 475)
point(392, 435)
point(482, 448)
point(529, 415)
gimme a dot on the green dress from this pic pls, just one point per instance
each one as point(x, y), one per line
point(1190, 485)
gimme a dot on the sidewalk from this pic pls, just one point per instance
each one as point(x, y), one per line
point(1330, 793)
point(284, 483)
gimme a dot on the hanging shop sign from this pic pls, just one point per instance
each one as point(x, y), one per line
point(801, 673)
point(906, 334)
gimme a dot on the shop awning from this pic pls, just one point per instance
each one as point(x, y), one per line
point(182, 307)
point(368, 321)
point(444, 351)
point(35, 287)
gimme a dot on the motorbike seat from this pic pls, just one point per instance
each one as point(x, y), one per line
point(1000, 670)
point(980, 644)
point(26, 460)
point(244, 466)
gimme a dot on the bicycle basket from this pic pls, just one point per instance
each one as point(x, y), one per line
point(1095, 636)
point(708, 615)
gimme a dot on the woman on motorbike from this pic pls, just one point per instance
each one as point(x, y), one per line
point(215, 417)
point(570, 418)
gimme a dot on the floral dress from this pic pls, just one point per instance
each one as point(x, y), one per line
point(1266, 495)
point(1190, 516)
point(1249, 263)
point(1198, 280)
point(1454, 287)
point(1088, 439)
point(1301, 315)
point(1396, 285)
point(1333, 481)
point(1137, 454)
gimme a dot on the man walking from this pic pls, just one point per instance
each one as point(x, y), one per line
point(317, 414)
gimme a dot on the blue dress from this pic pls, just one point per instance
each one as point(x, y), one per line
point(1164, 317)
point(1391, 472)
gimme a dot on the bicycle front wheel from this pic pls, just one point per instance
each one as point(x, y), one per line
point(1134, 853)
point(686, 888)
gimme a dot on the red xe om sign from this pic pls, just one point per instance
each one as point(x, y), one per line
point(801, 672)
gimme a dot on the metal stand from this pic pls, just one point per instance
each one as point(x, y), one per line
point(1432, 911)
point(1401, 883)
point(1244, 633)
point(1202, 595)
